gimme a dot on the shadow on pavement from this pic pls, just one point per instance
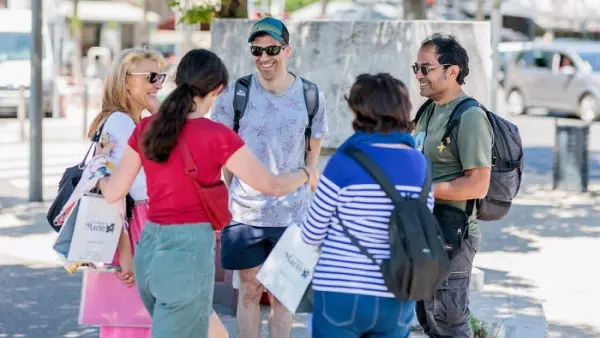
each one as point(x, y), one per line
point(539, 160)
point(508, 299)
point(19, 217)
point(557, 330)
point(40, 302)
point(540, 212)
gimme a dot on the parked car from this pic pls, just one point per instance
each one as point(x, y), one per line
point(560, 76)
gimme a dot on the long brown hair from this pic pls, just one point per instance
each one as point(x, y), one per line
point(199, 73)
point(115, 96)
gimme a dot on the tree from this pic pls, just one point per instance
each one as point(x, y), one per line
point(415, 10)
point(203, 11)
point(480, 15)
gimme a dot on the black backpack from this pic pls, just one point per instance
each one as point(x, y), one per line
point(418, 263)
point(69, 181)
point(240, 101)
point(507, 160)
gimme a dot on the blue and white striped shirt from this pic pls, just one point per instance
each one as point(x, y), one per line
point(346, 188)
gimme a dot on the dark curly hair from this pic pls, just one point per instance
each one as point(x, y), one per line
point(381, 104)
point(199, 73)
point(451, 52)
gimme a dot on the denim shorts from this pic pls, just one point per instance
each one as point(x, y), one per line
point(245, 246)
point(174, 267)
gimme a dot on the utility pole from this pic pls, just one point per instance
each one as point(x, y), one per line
point(496, 28)
point(35, 104)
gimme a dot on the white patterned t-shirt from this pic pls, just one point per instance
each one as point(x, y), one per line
point(273, 128)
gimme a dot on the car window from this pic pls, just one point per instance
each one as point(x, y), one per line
point(593, 59)
point(525, 58)
point(543, 59)
point(565, 61)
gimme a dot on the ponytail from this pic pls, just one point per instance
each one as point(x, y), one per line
point(161, 136)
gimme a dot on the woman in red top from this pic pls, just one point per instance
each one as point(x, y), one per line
point(174, 261)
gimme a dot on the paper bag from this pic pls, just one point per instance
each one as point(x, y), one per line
point(106, 301)
point(288, 270)
point(97, 230)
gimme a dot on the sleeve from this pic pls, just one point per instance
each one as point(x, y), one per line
point(324, 203)
point(135, 138)
point(222, 111)
point(320, 127)
point(119, 127)
point(225, 143)
point(475, 139)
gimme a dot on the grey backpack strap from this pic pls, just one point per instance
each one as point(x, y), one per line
point(311, 99)
point(240, 99)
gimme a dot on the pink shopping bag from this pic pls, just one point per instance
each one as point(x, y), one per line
point(106, 301)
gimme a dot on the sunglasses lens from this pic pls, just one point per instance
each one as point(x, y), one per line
point(256, 51)
point(415, 68)
point(152, 77)
point(273, 50)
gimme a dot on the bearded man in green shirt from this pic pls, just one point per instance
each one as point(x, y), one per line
point(461, 173)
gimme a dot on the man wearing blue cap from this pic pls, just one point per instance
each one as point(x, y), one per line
point(281, 117)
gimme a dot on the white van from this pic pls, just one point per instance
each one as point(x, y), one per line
point(15, 65)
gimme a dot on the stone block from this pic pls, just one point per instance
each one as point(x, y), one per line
point(333, 53)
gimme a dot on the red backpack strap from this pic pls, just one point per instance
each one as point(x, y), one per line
point(188, 161)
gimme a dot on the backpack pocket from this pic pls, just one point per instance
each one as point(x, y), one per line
point(453, 221)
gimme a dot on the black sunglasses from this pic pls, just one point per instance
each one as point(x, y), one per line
point(152, 77)
point(425, 69)
point(271, 50)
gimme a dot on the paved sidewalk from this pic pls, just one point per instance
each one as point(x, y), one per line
point(540, 260)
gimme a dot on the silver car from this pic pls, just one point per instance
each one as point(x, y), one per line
point(560, 76)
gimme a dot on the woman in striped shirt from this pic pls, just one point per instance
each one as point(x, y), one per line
point(350, 296)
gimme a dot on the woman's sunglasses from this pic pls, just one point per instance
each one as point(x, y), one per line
point(271, 50)
point(425, 69)
point(152, 77)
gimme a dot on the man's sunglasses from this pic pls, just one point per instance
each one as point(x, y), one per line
point(425, 69)
point(152, 77)
point(271, 50)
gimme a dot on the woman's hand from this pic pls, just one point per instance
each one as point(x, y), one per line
point(313, 178)
point(126, 273)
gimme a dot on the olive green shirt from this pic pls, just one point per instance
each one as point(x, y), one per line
point(475, 140)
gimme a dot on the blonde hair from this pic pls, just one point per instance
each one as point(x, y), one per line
point(115, 96)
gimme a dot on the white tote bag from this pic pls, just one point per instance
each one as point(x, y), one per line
point(97, 230)
point(288, 270)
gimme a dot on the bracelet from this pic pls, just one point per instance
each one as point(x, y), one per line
point(307, 174)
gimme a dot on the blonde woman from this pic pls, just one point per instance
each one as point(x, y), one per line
point(130, 88)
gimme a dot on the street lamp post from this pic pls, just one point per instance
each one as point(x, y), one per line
point(35, 104)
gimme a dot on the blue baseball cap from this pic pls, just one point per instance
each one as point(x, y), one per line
point(271, 26)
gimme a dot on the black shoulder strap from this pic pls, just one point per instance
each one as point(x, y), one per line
point(92, 148)
point(383, 179)
point(240, 99)
point(453, 122)
point(422, 110)
point(454, 119)
point(311, 99)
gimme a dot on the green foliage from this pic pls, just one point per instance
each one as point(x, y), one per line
point(479, 330)
point(195, 15)
point(292, 5)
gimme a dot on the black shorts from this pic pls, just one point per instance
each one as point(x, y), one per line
point(245, 246)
